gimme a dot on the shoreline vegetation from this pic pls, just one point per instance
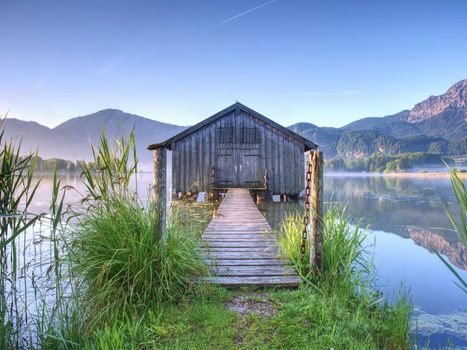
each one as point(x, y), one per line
point(384, 163)
point(117, 285)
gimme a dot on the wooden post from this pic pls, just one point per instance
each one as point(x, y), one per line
point(160, 191)
point(316, 230)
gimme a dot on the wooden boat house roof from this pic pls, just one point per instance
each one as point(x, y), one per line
point(308, 145)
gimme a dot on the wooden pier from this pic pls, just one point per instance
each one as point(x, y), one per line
point(241, 248)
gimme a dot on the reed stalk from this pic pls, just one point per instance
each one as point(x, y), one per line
point(459, 222)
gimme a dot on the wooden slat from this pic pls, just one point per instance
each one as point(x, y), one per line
point(241, 249)
point(253, 270)
point(245, 262)
point(237, 239)
point(242, 255)
point(230, 281)
point(243, 244)
point(267, 249)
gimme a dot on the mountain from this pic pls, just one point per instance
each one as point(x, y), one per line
point(326, 138)
point(79, 132)
point(391, 125)
point(437, 124)
point(71, 139)
point(454, 99)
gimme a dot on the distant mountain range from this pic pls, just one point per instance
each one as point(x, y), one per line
point(438, 124)
point(70, 140)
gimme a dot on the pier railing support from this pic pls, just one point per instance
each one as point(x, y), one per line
point(317, 209)
point(160, 192)
point(314, 208)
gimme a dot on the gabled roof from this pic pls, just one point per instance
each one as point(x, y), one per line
point(307, 143)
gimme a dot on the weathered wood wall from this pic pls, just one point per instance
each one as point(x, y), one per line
point(208, 147)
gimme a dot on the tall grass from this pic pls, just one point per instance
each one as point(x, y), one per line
point(112, 168)
point(16, 193)
point(32, 300)
point(460, 192)
point(344, 254)
point(125, 269)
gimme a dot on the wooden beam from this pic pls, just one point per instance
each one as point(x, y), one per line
point(316, 230)
point(160, 191)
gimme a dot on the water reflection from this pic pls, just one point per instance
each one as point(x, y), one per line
point(409, 207)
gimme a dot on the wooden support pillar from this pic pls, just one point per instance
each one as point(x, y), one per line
point(160, 191)
point(316, 229)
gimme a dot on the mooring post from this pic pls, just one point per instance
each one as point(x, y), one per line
point(316, 230)
point(160, 191)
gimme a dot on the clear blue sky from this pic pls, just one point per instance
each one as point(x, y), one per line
point(325, 62)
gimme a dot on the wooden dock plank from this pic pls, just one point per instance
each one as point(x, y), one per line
point(253, 270)
point(229, 281)
point(240, 244)
point(240, 247)
point(246, 262)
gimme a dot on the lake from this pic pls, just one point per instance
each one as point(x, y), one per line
point(407, 223)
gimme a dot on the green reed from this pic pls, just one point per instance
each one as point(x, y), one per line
point(112, 168)
point(16, 193)
point(459, 223)
point(35, 290)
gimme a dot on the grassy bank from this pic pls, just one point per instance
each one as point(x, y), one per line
point(270, 319)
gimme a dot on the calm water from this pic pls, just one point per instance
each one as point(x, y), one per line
point(408, 221)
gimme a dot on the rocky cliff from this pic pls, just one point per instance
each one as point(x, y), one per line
point(454, 98)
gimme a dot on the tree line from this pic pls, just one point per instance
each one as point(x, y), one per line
point(62, 165)
point(379, 162)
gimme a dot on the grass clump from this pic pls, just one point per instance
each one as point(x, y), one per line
point(125, 267)
point(344, 254)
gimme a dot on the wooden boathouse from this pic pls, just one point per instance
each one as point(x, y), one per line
point(237, 148)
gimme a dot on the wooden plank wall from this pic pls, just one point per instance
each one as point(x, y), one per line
point(281, 155)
